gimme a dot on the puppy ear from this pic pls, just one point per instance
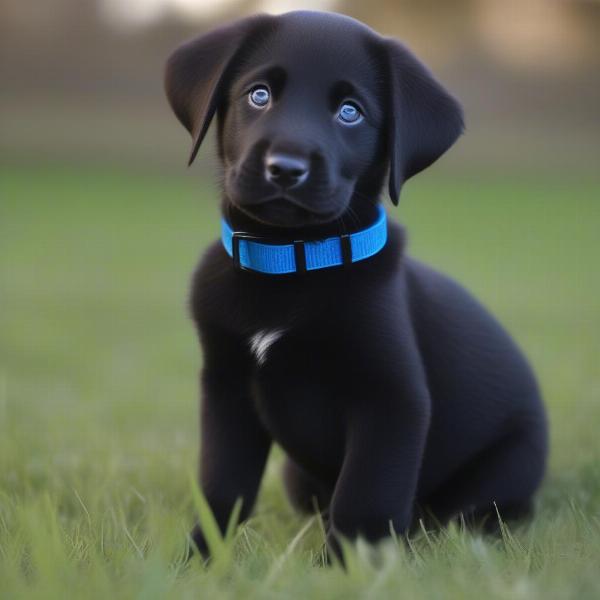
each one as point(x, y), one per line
point(197, 72)
point(425, 119)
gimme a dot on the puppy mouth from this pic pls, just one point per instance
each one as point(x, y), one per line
point(283, 211)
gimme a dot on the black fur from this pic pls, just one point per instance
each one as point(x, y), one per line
point(393, 392)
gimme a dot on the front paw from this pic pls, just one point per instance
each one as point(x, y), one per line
point(333, 550)
point(197, 545)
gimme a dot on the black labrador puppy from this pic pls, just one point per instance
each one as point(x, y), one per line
point(392, 391)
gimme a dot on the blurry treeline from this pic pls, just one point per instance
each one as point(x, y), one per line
point(82, 81)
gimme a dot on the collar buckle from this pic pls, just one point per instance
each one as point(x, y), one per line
point(238, 236)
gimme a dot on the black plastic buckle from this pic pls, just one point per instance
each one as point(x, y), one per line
point(237, 236)
point(346, 245)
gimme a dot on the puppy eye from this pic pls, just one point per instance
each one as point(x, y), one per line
point(259, 97)
point(349, 114)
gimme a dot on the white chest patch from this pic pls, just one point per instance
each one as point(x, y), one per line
point(261, 341)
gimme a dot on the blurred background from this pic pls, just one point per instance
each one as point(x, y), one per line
point(82, 79)
point(101, 224)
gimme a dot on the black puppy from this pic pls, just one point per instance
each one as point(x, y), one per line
point(392, 391)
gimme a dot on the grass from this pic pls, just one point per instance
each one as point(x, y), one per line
point(98, 365)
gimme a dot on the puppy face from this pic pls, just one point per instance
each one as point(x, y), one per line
point(313, 109)
point(304, 123)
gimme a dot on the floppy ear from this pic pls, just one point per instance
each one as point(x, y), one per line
point(197, 72)
point(425, 119)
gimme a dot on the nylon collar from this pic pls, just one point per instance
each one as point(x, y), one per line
point(258, 253)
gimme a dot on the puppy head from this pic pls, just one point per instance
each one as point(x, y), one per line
point(313, 109)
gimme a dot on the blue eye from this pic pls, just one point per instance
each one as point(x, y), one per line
point(259, 97)
point(349, 114)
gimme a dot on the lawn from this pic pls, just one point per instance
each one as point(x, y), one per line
point(98, 410)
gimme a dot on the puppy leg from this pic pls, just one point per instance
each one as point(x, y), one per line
point(304, 490)
point(234, 444)
point(504, 478)
point(376, 488)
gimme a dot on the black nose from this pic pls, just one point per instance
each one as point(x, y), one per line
point(285, 170)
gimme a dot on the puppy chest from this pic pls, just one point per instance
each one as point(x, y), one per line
point(296, 398)
point(261, 342)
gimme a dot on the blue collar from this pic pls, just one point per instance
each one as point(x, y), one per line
point(257, 253)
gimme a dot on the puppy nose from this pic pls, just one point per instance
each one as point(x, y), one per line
point(285, 170)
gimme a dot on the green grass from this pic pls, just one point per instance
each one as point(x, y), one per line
point(98, 411)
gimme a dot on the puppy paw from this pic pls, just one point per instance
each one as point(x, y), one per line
point(196, 545)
